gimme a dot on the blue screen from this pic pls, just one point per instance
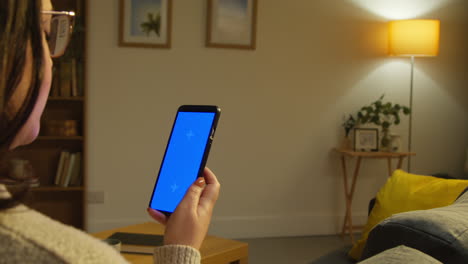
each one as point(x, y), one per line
point(182, 160)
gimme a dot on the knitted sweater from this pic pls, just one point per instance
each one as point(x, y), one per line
point(27, 236)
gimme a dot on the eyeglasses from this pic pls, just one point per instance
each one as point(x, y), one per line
point(61, 28)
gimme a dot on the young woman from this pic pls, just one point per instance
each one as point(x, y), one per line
point(26, 236)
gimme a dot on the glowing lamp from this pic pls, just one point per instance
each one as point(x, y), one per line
point(418, 37)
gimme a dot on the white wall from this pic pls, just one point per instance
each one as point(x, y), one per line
point(282, 109)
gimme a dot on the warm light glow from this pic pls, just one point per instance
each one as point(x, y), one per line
point(418, 37)
point(400, 9)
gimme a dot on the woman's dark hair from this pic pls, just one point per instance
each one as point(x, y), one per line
point(20, 30)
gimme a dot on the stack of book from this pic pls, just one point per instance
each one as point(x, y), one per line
point(68, 169)
point(66, 81)
point(138, 243)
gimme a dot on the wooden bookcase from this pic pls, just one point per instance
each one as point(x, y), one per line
point(65, 204)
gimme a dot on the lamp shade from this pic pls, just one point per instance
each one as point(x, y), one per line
point(417, 37)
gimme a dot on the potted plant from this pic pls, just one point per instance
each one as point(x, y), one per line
point(383, 114)
point(348, 125)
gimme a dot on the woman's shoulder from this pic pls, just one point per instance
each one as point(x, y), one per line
point(66, 242)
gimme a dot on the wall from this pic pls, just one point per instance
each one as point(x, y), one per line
point(282, 109)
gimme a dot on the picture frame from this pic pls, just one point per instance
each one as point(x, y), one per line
point(366, 139)
point(145, 23)
point(231, 24)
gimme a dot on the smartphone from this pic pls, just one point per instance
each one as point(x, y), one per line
point(185, 156)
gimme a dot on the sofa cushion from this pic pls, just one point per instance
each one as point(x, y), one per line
point(405, 192)
point(400, 254)
point(440, 232)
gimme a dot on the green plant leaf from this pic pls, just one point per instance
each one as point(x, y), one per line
point(384, 114)
point(397, 120)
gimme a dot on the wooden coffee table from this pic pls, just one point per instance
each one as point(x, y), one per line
point(215, 250)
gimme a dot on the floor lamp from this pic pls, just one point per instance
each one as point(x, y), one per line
point(413, 38)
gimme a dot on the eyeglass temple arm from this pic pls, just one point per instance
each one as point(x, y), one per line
point(67, 13)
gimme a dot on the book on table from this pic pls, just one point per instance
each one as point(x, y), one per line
point(138, 243)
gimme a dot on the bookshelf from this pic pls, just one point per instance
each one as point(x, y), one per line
point(62, 129)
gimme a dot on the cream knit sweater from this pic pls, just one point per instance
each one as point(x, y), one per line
point(27, 236)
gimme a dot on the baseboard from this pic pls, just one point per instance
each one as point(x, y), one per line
point(255, 226)
point(281, 226)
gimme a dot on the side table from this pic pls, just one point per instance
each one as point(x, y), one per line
point(349, 192)
point(214, 250)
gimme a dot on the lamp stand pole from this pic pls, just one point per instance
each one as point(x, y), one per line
point(411, 113)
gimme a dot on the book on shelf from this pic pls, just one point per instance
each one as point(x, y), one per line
point(66, 164)
point(65, 79)
point(54, 90)
point(76, 171)
point(65, 181)
point(61, 164)
point(80, 78)
point(74, 83)
point(68, 169)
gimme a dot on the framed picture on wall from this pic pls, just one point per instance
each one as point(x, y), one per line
point(145, 23)
point(366, 139)
point(231, 24)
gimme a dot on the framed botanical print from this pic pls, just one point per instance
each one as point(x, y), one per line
point(366, 139)
point(231, 24)
point(145, 23)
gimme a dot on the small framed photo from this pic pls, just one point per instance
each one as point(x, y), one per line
point(145, 23)
point(366, 139)
point(231, 24)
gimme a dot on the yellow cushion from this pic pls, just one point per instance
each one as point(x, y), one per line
point(407, 192)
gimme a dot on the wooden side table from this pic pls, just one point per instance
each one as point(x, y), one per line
point(214, 250)
point(349, 192)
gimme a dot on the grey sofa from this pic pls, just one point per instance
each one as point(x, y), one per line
point(438, 235)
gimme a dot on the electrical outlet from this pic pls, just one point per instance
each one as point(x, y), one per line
point(95, 197)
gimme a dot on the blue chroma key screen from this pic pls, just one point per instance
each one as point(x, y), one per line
point(183, 159)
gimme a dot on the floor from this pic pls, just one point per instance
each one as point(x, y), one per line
point(292, 250)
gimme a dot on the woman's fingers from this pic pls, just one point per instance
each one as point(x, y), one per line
point(211, 192)
point(209, 176)
point(158, 216)
point(192, 197)
point(189, 223)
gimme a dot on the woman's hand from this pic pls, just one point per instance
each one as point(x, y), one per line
point(189, 223)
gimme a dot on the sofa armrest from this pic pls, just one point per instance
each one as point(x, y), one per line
point(440, 232)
